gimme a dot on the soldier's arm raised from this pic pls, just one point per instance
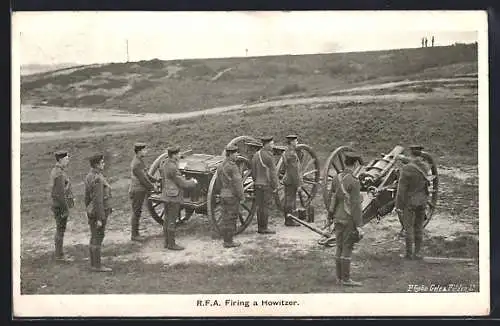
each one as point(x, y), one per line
point(98, 198)
point(139, 172)
point(355, 199)
point(58, 192)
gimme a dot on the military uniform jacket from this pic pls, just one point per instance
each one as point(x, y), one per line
point(292, 168)
point(229, 178)
point(140, 179)
point(60, 185)
point(412, 185)
point(263, 169)
point(97, 195)
point(346, 206)
point(173, 181)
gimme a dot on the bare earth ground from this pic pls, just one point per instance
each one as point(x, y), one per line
point(443, 119)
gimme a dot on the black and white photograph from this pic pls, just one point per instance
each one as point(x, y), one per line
point(250, 163)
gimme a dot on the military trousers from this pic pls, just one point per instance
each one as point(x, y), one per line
point(413, 223)
point(230, 214)
point(97, 232)
point(137, 200)
point(61, 215)
point(290, 198)
point(263, 200)
point(344, 243)
point(172, 213)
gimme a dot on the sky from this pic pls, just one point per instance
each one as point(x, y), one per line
point(101, 37)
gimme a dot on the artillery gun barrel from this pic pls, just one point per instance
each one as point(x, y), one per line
point(381, 166)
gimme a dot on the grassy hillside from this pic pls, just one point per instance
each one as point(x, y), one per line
point(187, 85)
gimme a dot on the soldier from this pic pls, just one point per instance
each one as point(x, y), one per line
point(411, 200)
point(173, 184)
point(229, 176)
point(432, 41)
point(97, 203)
point(140, 184)
point(292, 179)
point(265, 180)
point(62, 201)
point(345, 207)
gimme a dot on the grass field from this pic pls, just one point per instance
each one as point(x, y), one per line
point(444, 120)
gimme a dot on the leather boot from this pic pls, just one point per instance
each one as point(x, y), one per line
point(135, 230)
point(338, 270)
point(346, 274)
point(289, 221)
point(263, 226)
point(418, 245)
point(92, 256)
point(228, 239)
point(171, 245)
point(409, 248)
point(97, 258)
point(58, 244)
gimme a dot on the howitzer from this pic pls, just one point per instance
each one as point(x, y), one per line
point(379, 181)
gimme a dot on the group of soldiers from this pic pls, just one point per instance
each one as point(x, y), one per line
point(344, 210)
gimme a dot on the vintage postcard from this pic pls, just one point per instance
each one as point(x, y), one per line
point(230, 164)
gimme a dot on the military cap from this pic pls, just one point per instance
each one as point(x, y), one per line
point(231, 148)
point(266, 139)
point(139, 146)
point(94, 159)
point(173, 150)
point(254, 144)
point(291, 137)
point(60, 154)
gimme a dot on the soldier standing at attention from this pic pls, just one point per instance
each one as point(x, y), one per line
point(411, 200)
point(62, 201)
point(292, 179)
point(173, 184)
point(346, 210)
point(140, 184)
point(229, 176)
point(97, 203)
point(265, 180)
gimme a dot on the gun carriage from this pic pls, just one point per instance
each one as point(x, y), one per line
point(204, 198)
point(379, 182)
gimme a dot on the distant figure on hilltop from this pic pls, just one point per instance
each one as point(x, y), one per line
point(426, 42)
point(423, 40)
point(432, 41)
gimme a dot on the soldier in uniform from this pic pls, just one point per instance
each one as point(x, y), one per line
point(292, 179)
point(140, 184)
point(62, 200)
point(98, 206)
point(411, 200)
point(345, 207)
point(265, 180)
point(173, 185)
point(229, 176)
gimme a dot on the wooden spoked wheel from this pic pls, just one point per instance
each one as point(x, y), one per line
point(333, 166)
point(247, 207)
point(156, 207)
point(310, 171)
